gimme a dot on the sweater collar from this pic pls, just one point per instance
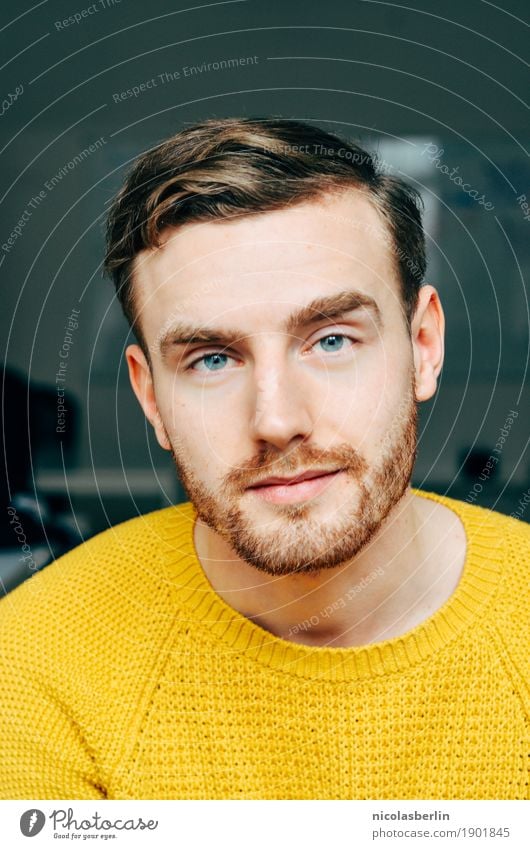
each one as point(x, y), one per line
point(234, 632)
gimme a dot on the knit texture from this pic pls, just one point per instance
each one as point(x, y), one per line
point(124, 675)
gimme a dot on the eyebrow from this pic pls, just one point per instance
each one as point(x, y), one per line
point(326, 307)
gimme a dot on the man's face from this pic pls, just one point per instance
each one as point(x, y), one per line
point(279, 349)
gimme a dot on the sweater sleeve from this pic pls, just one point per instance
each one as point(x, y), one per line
point(510, 625)
point(42, 751)
point(80, 642)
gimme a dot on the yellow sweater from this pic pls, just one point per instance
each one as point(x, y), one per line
point(125, 676)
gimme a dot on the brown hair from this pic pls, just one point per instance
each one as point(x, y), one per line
point(224, 168)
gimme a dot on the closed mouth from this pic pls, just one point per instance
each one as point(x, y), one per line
point(290, 481)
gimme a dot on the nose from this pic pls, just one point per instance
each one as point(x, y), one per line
point(281, 412)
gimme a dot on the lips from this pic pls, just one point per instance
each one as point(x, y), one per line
point(304, 476)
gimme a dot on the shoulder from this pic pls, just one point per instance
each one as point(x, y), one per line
point(498, 551)
point(116, 581)
point(498, 569)
point(487, 525)
point(81, 645)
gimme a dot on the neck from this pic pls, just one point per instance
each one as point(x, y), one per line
point(409, 569)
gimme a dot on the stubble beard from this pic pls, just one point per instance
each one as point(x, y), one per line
point(291, 539)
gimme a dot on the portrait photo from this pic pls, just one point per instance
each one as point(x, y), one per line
point(266, 481)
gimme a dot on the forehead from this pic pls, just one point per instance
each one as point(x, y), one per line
point(260, 265)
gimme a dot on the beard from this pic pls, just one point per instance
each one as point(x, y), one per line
point(307, 537)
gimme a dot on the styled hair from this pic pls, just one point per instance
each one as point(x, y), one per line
point(225, 168)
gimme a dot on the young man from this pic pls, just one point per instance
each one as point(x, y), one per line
point(308, 626)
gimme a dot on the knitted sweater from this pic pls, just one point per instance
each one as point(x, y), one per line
point(126, 676)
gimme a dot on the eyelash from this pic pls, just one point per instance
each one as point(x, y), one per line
point(190, 367)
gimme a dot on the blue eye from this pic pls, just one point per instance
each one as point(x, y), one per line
point(211, 362)
point(333, 342)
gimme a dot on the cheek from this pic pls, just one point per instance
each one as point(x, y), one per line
point(173, 414)
point(202, 435)
point(379, 404)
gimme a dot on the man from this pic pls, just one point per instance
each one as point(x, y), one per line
point(308, 626)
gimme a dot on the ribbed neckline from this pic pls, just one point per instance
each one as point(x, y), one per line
point(236, 633)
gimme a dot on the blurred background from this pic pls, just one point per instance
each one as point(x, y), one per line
point(436, 91)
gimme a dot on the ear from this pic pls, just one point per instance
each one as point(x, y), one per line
point(427, 337)
point(143, 386)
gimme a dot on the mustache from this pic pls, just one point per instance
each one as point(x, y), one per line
point(301, 459)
